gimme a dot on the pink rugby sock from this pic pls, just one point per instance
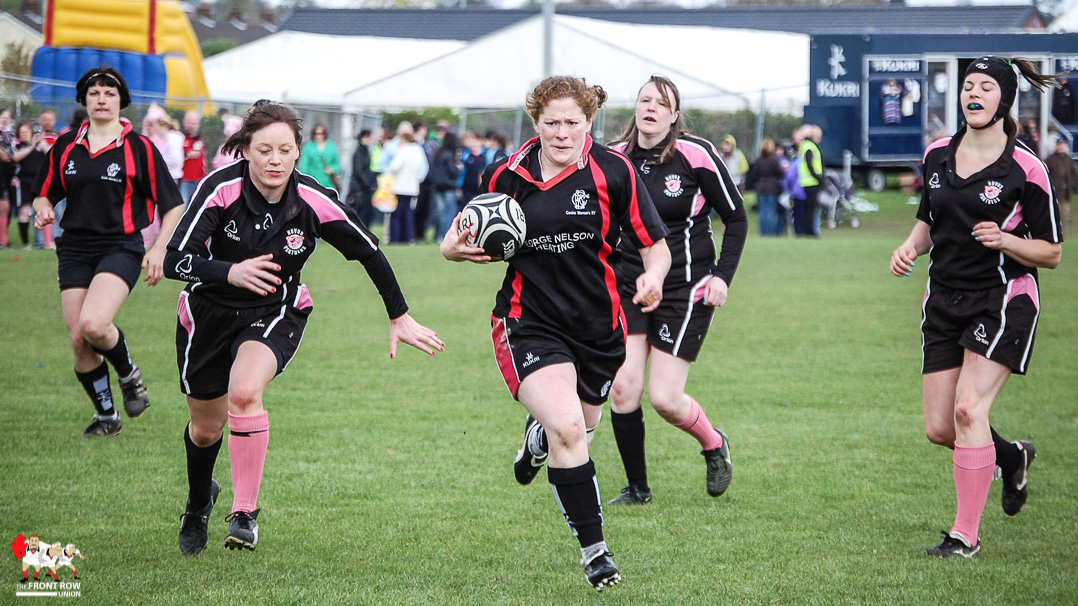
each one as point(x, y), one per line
point(697, 425)
point(247, 442)
point(973, 469)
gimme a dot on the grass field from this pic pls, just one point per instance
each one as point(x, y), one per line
point(390, 482)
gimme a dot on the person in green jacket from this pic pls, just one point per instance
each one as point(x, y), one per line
point(319, 159)
point(810, 172)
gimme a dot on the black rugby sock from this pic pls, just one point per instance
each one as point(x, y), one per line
point(629, 435)
point(200, 462)
point(24, 233)
point(1008, 456)
point(577, 493)
point(96, 384)
point(118, 356)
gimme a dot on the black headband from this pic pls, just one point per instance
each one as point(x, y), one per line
point(1000, 70)
point(110, 77)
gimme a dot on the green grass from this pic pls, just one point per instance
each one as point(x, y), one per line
point(389, 482)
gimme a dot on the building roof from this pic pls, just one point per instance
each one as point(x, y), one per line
point(29, 17)
point(471, 23)
point(229, 26)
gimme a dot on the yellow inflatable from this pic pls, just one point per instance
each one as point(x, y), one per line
point(146, 27)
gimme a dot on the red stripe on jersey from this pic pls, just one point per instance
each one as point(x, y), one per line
point(514, 302)
point(494, 178)
point(609, 277)
point(504, 355)
point(48, 174)
point(634, 207)
point(129, 167)
point(151, 174)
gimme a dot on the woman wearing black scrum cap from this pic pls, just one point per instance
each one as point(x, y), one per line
point(113, 178)
point(988, 220)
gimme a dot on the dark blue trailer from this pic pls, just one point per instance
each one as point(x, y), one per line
point(881, 98)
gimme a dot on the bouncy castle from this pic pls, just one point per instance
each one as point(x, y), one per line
point(149, 41)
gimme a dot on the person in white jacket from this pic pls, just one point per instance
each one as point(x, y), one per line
point(409, 168)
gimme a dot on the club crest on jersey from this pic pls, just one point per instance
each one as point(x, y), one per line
point(673, 186)
point(580, 199)
point(70, 170)
point(111, 172)
point(293, 241)
point(934, 182)
point(580, 202)
point(991, 192)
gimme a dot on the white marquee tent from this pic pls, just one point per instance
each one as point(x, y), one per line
point(313, 69)
point(1067, 21)
point(714, 68)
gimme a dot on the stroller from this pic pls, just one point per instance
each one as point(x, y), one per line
point(838, 202)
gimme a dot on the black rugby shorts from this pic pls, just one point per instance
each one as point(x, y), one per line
point(998, 323)
point(522, 348)
point(78, 260)
point(677, 326)
point(208, 335)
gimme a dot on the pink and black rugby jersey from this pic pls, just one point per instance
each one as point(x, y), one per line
point(1014, 192)
point(685, 190)
point(229, 221)
point(109, 193)
point(564, 274)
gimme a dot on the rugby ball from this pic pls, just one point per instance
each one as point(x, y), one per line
point(495, 223)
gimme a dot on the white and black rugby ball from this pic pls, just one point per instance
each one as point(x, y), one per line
point(495, 223)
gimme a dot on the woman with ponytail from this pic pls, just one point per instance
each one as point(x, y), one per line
point(989, 221)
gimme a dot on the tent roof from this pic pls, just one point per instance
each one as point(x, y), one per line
point(472, 23)
point(312, 69)
point(1066, 21)
point(498, 70)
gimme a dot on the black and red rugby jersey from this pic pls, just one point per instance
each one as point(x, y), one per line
point(109, 193)
point(1014, 192)
point(229, 221)
point(685, 189)
point(564, 274)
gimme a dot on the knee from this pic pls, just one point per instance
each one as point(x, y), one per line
point(965, 413)
point(941, 436)
point(204, 433)
point(566, 434)
point(244, 396)
point(94, 330)
point(625, 394)
point(668, 403)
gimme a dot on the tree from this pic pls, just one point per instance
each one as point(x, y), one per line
point(16, 60)
point(213, 47)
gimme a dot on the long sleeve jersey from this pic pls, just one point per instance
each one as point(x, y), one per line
point(229, 221)
point(685, 189)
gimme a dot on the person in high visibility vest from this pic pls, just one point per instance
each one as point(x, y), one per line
point(810, 173)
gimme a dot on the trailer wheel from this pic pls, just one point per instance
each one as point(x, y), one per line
point(876, 180)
